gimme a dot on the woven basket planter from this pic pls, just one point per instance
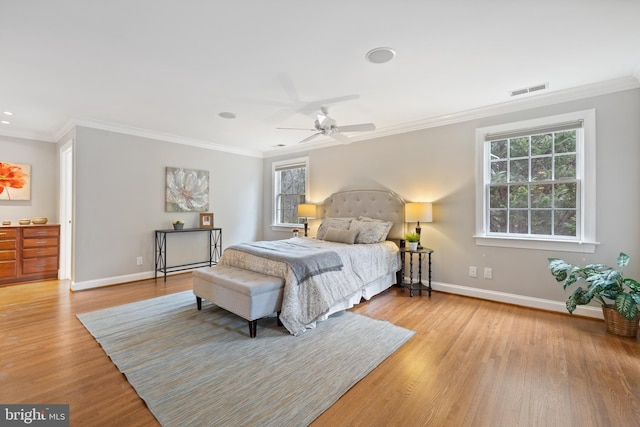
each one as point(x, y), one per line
point(618, 324)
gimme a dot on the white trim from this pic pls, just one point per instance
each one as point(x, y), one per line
point(525, 301)
point(586, 169)
point(116, 280)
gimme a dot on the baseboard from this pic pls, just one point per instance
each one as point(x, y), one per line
point(525, 301)
point(108, 281)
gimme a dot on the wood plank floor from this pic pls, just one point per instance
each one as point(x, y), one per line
point(470, 363)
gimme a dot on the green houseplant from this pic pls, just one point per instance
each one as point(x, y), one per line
point(602, 283)
point(413, 239)
point(178, 224)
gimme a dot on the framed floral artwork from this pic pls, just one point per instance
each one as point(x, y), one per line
point(187, 190)
point(15, 181)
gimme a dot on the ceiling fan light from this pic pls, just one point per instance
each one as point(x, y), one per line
point(380, 55)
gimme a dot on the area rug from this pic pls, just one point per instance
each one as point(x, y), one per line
point(200, 368)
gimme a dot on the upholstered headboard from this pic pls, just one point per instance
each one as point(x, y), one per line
point(377, 204)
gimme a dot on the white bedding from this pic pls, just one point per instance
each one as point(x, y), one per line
point(304, 303)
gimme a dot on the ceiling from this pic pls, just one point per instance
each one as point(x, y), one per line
point(166, 69)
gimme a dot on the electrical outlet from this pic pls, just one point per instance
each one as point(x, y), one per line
point(139, 260)
point(473, 271)
point(488, 273)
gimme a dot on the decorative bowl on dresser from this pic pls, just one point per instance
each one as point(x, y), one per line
point(28, 253)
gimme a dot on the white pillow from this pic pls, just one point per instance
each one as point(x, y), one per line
point(389, 223)
point(370, 231)
point(339, 223)
point(341, 236)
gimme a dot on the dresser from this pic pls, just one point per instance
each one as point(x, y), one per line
point(28, 253)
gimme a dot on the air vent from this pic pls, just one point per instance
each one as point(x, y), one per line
point(529, 89)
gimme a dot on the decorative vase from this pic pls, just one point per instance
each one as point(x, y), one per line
point(619, 325)
point(413, 246)
point(178, 226)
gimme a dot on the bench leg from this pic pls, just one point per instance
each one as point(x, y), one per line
point(199, 303)
point(278, 317)
point(253, 327)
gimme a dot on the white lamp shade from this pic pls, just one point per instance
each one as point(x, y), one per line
point(418, 212)
point(306, 210)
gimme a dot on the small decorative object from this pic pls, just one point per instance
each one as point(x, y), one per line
point(24, 221)
point(413, 239)
point(603, 282)
point(178, 224)
point(6, 222)
point(206, 220)
point(296, 232)
point(39, 220)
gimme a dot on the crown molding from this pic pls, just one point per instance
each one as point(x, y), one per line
point(526, 103)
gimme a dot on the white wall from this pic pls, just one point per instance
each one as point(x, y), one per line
point(438, 165)
point(120, 201)
point(42, 156)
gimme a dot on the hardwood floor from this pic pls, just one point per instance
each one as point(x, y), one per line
point(470, 363)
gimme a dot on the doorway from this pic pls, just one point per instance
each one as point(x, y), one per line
point(66, 212)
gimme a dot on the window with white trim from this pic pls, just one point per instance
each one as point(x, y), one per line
point(535, 184)
point(290, 188)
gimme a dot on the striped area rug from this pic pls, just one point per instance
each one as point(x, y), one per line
point(200, 368)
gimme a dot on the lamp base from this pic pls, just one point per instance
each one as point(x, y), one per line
point(306, 229)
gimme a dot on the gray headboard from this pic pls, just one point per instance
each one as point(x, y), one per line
point(377, 204)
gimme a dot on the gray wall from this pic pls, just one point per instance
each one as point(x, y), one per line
point(42, 156)
point(438, 165)
point(120, 194)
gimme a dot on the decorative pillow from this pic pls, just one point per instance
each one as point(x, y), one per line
point(341, 236)
point(389, 227)
point(370, 231)
point(339, 223)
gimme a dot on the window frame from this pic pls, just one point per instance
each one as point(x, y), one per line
point(275, 166)
point(585, 242)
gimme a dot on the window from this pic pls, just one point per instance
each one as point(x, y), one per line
point(535, 184)
point(290, 188)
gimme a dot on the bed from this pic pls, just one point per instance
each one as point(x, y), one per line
point(354, 256)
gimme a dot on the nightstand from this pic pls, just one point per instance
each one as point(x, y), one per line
point(410, 283)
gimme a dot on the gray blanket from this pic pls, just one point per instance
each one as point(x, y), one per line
point(305, 261)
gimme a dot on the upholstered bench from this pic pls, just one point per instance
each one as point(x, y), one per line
point(245, 293)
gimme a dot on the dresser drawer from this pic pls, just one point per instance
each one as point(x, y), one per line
point(7, 245)
point(8, 268)
point(40, 232)
point(39, 265)
point(8, 233)
point(43, 241)
point(40, 252)
point(7, 255)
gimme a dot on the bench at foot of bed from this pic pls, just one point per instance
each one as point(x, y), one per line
point(245, 293)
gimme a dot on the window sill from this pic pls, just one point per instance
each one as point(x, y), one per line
point(540, 244)
point(287, 227)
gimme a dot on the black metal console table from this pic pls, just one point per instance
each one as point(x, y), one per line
point(215, 250)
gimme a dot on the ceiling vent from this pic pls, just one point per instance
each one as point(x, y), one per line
point(529, 89)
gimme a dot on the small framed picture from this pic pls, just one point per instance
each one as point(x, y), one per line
point(206, 220)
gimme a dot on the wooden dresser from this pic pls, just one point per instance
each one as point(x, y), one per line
point(28, 253)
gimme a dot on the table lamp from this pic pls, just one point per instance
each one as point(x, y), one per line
point(306, 211)
point(416, 212)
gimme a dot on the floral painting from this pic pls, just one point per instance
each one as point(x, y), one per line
point(15, 181)
point(187, 190)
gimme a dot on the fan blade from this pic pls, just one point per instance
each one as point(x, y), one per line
point(357, 128)
point(312, 130)
point(309, 138)
point(315, 105)
point(339, 137)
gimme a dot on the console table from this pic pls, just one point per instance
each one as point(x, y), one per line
point(213, 255)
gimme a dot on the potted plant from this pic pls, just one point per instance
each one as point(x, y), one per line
point(603, 283)
point(413, 239)
point(178, 224)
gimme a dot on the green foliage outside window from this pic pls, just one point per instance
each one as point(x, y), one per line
point(533, 188)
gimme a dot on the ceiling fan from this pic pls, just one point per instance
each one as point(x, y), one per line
point(325, 125)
